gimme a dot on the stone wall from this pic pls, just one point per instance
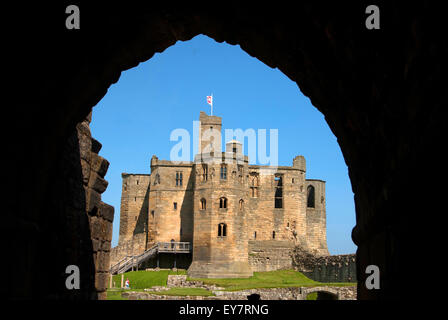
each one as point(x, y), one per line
point(78, 229)
point(334, 268)
point(134, 205)
point(269, 255)
point(299, 293)
point(100, 214)
point(134, 246)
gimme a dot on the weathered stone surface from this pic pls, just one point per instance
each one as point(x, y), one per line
point(96, 146)
point(107, 211)
point(101, 280)
point(299, 293)
point(99, 165)
point(97, 183)
point(331, 268)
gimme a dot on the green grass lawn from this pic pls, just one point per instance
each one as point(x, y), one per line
point(140, 280)
point(312, 296)
point(146, 279)
point(269, 279)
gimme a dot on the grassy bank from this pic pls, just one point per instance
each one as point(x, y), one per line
point(146, 279)
point(270, 279)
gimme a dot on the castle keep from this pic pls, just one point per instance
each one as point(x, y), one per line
point(238, 217)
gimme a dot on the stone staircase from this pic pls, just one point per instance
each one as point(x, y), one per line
point(129, 262)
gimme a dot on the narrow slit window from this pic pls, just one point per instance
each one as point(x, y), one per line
point(223, 203)
point(222, 230)
point(310, 197)
point(203, 204)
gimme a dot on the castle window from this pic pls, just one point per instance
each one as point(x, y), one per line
point(254, 179)
point(157, 179)
point(310, 197)
point(255, 234)
point(204, 172)
point(137, 182)
point(175, 205)
point(278, 198)
point(234, 150)
point(223, 171)
point(202, 204)
point(240, 173)
point(254, 192)
point(135, 198)
point(292, 180)
point(241, 204)
point(254, 184)
point(273, 234)
point(223, 203)
point(179, 178)
point(222, 230)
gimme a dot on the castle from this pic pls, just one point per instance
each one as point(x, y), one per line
point(238, 217)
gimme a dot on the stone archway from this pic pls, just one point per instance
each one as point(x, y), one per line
point(323, 293)
point(380, 93)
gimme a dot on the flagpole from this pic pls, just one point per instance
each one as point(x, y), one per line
point(212, 104)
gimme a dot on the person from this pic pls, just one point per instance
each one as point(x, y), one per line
point(127, 284)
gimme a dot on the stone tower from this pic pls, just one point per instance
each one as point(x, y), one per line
point(316, 216)
point(220, 244)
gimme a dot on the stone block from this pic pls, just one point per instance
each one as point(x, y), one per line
point(101, 281)
point(96, 145)
point(93, 199)
point(107, 212)
point(97, 183)
point(96, 245)
point(99, 165)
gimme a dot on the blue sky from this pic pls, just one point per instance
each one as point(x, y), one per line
point(135, 118)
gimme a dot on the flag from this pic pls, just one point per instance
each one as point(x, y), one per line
point(210, 100)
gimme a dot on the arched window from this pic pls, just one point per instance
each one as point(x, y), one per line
point(223, 171)
point(204, 173)
point(241, 204)
point(222, 230)
point(203, 204)
point(310, 197)
point(223, 203)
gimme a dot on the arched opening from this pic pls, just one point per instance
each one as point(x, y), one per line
point(203, 204)
point(321, 295)
point(310, 197)
point(223, 203)
point(311, 45)
point(216, 172)
point(222, 230)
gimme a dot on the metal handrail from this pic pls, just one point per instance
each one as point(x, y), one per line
point(130, 261)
